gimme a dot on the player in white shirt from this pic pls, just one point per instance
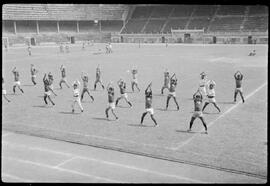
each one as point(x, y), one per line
point(134, 81)
point(203, 83)
point(211, 95)
point(76, 95)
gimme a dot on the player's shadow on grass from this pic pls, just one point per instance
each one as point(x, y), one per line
point(210, 112)
point(159, 95)
point(140, 125)
point(228, 102)
point(121, 106)
point(28, 85)
point(42, 106)
point(103, 119)
point(69, 113)
point(192, 132)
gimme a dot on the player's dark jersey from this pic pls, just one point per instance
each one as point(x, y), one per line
point(122, 87)
point(16, 75)
point(148, 99)
point(238, 81)
point(63, 72)
point(111, 96)
point(197, 104)
point(85, 81)
point(46, 84)
point(173, 86)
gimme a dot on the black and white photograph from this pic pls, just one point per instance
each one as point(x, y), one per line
point(134, 93)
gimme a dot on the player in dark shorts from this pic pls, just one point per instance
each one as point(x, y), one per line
point(166, 81)
point(4, 92)
point(197, 97)
point(85, 86)
point(48, 90)
point(238, 76)
point(122, 86)
point(111, 105)
point(63, 75)
point(33, 71)
point(172, 93)
point(98, 78)
point(211, 95)
point(17, 82)
point(148, 104)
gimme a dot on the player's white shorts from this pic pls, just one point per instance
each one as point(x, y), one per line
point(4, 92)
point(211, 100)
point(33, 76)
point(76, 98)
point(172, 94)
point(64, 79)
point(150, 110)
point(17, 83)
point(48, 93)
point(112, 105)
point(124, 95)
point(239, 89)
point(134, 81)
point(197, 114)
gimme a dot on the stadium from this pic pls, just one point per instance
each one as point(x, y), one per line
point(60, 143)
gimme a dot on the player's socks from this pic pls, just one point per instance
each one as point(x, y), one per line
point(14, 89)
point(22, 90)
point(177, 107)
point(72, 110)
point(130, 104)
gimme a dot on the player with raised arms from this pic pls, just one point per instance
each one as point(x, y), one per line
point(34, 72)
point(203, 83)
point(85, 86)
point(134, 81)
point(98, 78)
point(172, 93)
point(148, 104)
point(166, 81)
point(238, 76)
point(17, 82)
point(197, 97)
point(122, 86)
point(111, 105)
point(63, 75)
point(211, 95)
point(48, 90)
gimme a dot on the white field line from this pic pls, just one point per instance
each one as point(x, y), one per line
point(221, 116)
point(15, 178)
point(74, 156)
point(60, 169)
point(64, 162)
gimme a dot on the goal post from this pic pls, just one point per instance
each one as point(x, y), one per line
point(187, 36)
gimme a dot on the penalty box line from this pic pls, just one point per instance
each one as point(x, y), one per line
point(221, 116)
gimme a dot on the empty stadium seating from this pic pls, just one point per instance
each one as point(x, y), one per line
point(258, 10)
point(111, 26)
point(161, 11)
point(231, 10)
point(154, 26)
point(142, 12)
point(199, 23)
point(8, 27)
point(26, 26)
point(182, 10)
point(256, 24)
point(47, 26)
point(229, 24)
point(134, 26)
point(175, 24)
point(204, 10)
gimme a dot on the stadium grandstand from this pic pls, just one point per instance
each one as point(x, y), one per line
point(129, 23)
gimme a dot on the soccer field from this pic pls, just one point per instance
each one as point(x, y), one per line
point(237, 137)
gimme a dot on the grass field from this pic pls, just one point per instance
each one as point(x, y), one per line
point(237, 139)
